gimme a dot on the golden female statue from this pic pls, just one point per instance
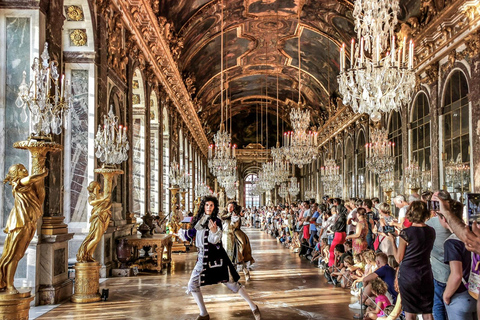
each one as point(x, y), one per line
point(22, 222)
point(99, 220)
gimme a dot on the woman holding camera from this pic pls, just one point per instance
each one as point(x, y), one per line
point(359, 239)
point(415, 277)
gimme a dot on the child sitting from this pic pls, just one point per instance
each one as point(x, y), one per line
point(358, 270)
point(379, 289)
point(370, 266)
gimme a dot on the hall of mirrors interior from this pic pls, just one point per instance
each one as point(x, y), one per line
point(119, 116)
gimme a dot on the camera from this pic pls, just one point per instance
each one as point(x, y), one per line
point(388, 229)
point(433, 205)
point(473, 207)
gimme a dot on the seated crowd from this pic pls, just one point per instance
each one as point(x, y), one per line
point(414, 264)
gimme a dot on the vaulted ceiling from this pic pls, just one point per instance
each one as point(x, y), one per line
point(261, 48)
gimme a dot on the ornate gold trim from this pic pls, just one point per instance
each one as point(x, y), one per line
point(74, 13)
point(78, 38)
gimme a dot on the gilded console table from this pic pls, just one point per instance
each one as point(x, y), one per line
point(158, 243)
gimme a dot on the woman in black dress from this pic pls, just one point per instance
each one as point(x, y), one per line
point(415, 278)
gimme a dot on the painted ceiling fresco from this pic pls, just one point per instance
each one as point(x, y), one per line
point(245, 130)
point(261, 42)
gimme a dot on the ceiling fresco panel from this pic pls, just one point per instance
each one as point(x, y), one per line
point(206, 62)
point(319, 57)
point(180, 11)
point(271, 7)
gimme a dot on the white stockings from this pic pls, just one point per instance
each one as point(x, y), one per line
point(200, 303)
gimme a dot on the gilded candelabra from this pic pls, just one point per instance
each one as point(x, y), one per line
point(29, 192)
point(182, 202)
point(174, 223)
point(111, 146)
point(387, 182)
point(48, 101)
point(412, 177)
point(47, 104)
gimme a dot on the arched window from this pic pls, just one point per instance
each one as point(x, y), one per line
point(251, 200)
point(166, 162)
point(154, 156)
point(138, 101)
point(350, 168)
point(421, 131)
point(395, 136)
point(180, 149)
point(361, 164)
point(192, 176)
point(339, 160)
point(455, 133)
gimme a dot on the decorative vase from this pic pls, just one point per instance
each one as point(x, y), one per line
point(144, 229)
point(124, 252)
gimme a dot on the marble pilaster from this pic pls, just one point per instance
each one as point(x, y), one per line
point(103, 252)
point(405, 145)
point(474, 98)
point(434, 136)
point(53, 269)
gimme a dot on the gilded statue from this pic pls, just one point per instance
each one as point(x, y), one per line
point(175, 221)
point(99, 220)
point(196, 205)
point(22, 222)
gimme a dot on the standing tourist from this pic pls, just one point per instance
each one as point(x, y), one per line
point(415, 277)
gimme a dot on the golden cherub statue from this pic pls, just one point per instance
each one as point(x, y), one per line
point(99, 220)
point(22, 222)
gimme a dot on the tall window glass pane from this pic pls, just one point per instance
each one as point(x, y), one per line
point(395, 136)
point(456, 139)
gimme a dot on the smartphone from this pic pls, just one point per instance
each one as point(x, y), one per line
point(433, 205)
point(389, 229)
point(473, 207)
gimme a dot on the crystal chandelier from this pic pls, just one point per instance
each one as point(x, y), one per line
point(176, 173)
point(226, 180)
point(331, 177)
point(111, 142)
point(294, 187)
point(376, 82)
point(457, 173)
point(300, 146)
point(425, 177)
point(255, 190)
point(265, 180)
point(283, 191)
point(231, 190)
point(281, 167)
point(221, 156)
point(202, 190)
point(386, 180)
point(412, 175)
point(379, 152)
point(185, 181)
point(47, 104)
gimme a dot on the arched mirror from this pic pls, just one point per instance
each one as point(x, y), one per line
point(138, 102)
point(154, 155)
point(166, 161)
